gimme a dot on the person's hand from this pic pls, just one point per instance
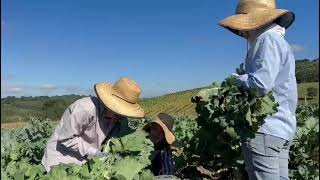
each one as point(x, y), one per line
point(240, 80)
point(243, 77)
point(235, 75)
point(100, 154)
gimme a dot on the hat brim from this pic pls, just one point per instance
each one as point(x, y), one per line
point(116, 104)
point(251, 21)
point(170, 138)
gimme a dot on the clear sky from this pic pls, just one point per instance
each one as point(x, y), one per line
point(55, 47)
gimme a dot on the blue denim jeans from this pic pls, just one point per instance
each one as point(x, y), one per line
point(266, 157)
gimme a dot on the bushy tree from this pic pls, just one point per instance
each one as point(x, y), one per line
point(54, 108)
point(312, 92)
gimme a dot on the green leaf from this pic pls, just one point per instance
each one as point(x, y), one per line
point(230, 131)
point(146, 175)
point(132, 142)
point(19, 175)
point(205, 94)
point(128, 167)
point(248, 117)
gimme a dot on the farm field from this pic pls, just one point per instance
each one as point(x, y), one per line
point(22, 148)
point(159, 90)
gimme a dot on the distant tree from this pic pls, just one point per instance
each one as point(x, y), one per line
point(307, 70)
point(312, 92)
point(8, 100)
point(54, 108)
point(316, 74)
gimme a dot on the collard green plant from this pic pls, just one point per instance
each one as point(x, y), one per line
point(22, 150)
point(304, 152)
point(127, 157)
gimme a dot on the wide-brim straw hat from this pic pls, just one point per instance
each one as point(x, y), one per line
point(121, 98)
point(254, 14)
point(166, 122)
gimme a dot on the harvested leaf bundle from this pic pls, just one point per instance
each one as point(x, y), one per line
point(239, 113)
point(227, 115)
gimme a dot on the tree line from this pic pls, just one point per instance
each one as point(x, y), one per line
point(307, 70)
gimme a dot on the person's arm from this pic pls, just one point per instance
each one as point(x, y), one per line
point(75, 120)
point(266, 64)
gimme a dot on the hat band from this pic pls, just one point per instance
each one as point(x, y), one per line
point(251, 7)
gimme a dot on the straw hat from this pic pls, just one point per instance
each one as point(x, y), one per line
point(166, 122)
point(254, 14)
point(121, 98)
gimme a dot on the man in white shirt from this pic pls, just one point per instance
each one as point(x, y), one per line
point(89, 121)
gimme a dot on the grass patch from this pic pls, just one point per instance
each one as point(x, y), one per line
point(302, 92)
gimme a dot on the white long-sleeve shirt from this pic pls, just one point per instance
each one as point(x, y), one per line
point(270, 66)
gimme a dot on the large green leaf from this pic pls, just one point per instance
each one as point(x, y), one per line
point(132, 142)
point(128, 167)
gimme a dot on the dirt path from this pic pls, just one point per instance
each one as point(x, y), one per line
point(13, 125)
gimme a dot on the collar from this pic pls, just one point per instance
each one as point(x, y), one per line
point(102, 109)
point(271, 28)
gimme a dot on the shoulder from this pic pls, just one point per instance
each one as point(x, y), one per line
point(271, 40)
point(274, 39)
point(87, 104)
point(269, 37)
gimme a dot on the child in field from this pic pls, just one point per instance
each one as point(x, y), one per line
point(160, 133)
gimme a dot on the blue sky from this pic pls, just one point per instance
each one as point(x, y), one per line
point(65, 47)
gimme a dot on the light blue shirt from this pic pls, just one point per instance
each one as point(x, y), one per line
point(270, 66)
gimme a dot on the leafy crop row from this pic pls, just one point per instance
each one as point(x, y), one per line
point(21, 151)
point(126, 157)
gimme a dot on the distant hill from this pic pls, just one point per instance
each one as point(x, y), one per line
point(178, 104)
point(19, 109)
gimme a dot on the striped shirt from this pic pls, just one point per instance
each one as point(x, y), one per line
point(162, 163)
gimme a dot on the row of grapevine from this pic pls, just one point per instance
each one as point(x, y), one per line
point(176, 104)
